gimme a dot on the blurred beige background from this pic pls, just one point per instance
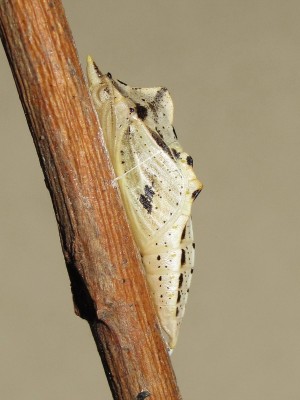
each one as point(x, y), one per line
point(233, 69)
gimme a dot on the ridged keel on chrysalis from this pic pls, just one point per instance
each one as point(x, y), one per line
point(158, 187)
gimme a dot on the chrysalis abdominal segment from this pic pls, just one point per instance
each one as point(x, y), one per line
point(157, 184)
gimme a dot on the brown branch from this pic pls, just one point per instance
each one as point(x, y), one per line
point(105, 270)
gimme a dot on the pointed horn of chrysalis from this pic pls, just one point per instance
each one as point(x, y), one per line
point(93, 72)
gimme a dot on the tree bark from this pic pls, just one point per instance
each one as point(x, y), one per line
point(107, 279)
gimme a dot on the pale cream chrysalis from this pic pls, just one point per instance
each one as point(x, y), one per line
point(157, 184)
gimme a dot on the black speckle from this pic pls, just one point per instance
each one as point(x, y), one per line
point(182, 256)
point(176, 153)
point(158, 258)
point(183, 233)
point(195, 194)
point(149, 192)
point(160, 278)
point(97, 69)
point(193, 245)
point(160, 94)
point(141, 111)
point(109, 75)
point(175, 133)
point(178, 297)
point(190, 161)
point(161, 143)
point(131, 110)
point(146, 199)
point(177, 311)
point(123, 83)
point(192, 270)
point(146, 203)
point(180, 280)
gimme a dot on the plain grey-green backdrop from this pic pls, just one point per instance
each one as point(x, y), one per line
point(233, 69)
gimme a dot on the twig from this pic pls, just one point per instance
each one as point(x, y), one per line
point(107, 279)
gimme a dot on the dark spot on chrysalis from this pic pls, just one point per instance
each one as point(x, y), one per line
point(192, 270)
point(160, 94)
point(176, 153)
point(143, 395)
point(128, 131)
point(160, 278)
point(194, 245)
point(109, 75)
point(146, 203)
point(97, 69)
point(195, 194)
point(177, 311)
point(149, 192)
point(178, 297)
point(123, 83)
point(175, 133)
point(190, 161)
point(182, 256)
point(131, 110)
point(146, 199)
point(183, 233)
point(180, 280)
point(161, 143)
point(141, 111)
point(158, 258)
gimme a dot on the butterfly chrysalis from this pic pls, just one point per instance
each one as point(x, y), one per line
point(157, 184)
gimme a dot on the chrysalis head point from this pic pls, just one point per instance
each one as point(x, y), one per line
point(93, 71)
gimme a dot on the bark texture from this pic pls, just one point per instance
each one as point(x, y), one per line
point(107, 279)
